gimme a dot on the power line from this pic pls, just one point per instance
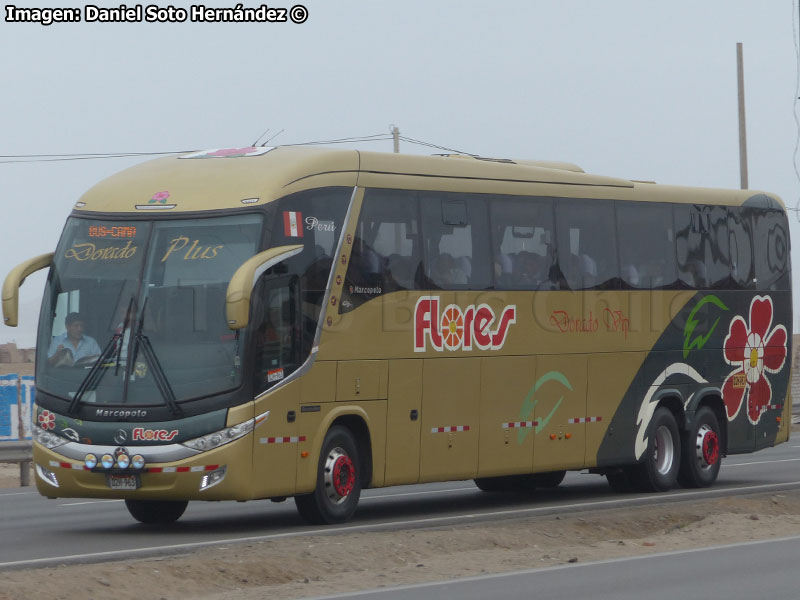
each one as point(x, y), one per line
point(430, 145)
point(32, 158)
point(41, 157)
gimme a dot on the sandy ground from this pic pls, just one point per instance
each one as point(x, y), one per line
point(318, 565)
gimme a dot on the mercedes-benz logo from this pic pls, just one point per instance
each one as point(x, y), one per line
point(121, 436)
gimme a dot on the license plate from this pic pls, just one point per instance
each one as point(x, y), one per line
point(123, 482)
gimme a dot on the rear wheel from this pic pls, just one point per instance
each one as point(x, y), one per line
point(701, 457)
point(156, 511)
point(338, 488)
point(659, 470)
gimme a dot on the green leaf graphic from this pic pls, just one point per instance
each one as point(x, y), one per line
point(530, 403)
point(692, 323)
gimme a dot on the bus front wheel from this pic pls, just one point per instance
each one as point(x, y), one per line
point(701, 451)
point(659, 469)
point(338, 488)
point(155, 511)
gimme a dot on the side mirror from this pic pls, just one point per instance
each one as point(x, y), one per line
point(237, 299)
point(15, 279)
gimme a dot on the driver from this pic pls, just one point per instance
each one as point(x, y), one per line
point(72, 346)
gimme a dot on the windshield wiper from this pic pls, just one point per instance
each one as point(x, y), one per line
point(158, 372)
point(93, 376)
point(125, 324)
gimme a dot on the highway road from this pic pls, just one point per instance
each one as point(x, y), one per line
point(734, 572)
point(40, 532)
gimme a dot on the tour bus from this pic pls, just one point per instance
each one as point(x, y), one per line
point(264, 323)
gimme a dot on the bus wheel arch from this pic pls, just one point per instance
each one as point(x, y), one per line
point(358, 427)
point(344, 468)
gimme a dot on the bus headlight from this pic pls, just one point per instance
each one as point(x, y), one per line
point(90, 461)
point(48, 439)
point(123, 461)
point(221, 437)
point(137, 462)
point(212, 479)
point(107, 461)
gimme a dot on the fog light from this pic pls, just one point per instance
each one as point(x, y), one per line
point(123, 461)
point(90, 461)
point(213, 478)
point(137, 462)
point(107, 461)
point(47, 475)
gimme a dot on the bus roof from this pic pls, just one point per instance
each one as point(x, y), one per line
point(239, 178)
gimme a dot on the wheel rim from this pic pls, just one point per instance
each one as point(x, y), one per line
point(340, 476)
point(664, 451)
point(707, 447)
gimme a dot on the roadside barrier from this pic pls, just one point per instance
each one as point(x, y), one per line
point(16, 403)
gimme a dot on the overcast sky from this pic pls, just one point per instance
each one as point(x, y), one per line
point(632, 89)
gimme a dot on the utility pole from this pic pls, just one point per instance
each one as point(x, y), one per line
point(742, 128)
point(396, 138)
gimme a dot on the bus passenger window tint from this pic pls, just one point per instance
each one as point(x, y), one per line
point(523, 243)
point(702, 246)
point(455, 242)
point(770, 228)
point(587, 253)
point(386, 250)
point(740, 234)
point(646, 245)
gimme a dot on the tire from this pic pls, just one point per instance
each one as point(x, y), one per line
point(659, 470)
point(548, 480)
point(339, 475)
point(506, 483)
point(156, 511)
point(702, 456)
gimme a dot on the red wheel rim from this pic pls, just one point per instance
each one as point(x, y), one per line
point(344, 476)
point(710, 448)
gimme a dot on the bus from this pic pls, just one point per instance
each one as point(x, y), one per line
point(265, 323)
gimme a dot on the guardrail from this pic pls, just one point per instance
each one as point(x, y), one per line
point(18, 452)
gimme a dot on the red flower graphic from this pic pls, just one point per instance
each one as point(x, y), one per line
point(47, 420)
point(754, 350)
point(159, 197)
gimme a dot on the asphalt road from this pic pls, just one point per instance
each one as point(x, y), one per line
point(37, 531)
point(734, 572)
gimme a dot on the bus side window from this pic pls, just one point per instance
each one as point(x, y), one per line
point(455, 241)
point(741, 245)
point(702, 246)
point(772, 250)
point(385, 256)
point(646, 244)
point(523, 243)
point(587, 252)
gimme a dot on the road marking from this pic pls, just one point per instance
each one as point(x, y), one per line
point(18, 494)
point(657, 555)
point(89, 502)
point(428, 521)
point(376, 496)
point(760, 462)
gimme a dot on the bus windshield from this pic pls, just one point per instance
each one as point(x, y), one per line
point(134, 311)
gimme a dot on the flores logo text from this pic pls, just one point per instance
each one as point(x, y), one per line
point(472, 328)
point(162, 435)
